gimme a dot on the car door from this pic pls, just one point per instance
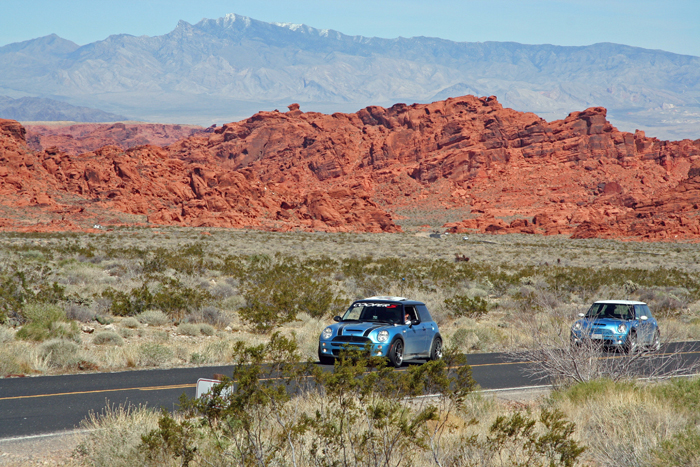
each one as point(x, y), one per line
point(644, 326)
point(414, 334)
point(652, 325)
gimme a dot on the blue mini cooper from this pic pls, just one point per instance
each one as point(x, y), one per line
point(392, 327)
point(620, 324)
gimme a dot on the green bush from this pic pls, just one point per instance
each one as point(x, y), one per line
point(107, 338)
point(461, 305)
point(275, 293)
point(170, 296)
point(46, 321)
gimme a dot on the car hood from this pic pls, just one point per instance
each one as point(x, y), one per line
point(355, 328)
point(612, 322)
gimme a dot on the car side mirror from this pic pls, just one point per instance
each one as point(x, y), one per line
point(337, 318)
point(644, 318)
point(581, 315)
point(414, 322)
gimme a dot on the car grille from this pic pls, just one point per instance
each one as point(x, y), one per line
point(351, 340)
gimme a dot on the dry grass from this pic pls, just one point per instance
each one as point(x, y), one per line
point(619, 424)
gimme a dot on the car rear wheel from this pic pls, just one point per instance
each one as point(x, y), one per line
point(436, 349)
point(325, 359)
point(632, 345)
point(396, 353)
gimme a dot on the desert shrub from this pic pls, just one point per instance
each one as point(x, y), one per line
point(464, 339)
point(274, 294)
point(6, 335)
point(188, 329)
point(682, 393)
point(9, 363)
point(170, 296)
point(46, 321)
point(153, 318)
point(79, 313)
point(214, 316)
point(680, 450)
point(130, 322)
point(461, 305)
point(206, 329)
point(113, 436)
point(189, 259)
point(160, 335)
point(154, 354)
point(107, 338)
point(223, 290)
point(60, 353)
point(126, 332)
point(21, 286)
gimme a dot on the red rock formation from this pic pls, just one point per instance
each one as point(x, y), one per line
point(357, 172)
point(84, 137)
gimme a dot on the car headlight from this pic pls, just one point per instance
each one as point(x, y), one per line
point(327, 333)
point(383, 336)
point(577, 326)
point(622, 328)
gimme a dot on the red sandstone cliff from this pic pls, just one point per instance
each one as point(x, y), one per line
point(356, 172)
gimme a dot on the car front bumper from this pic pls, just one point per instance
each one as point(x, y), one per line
point(606, 339)
point(332, 348)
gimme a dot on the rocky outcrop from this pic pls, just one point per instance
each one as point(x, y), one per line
point(79, 138)
point(512, 171)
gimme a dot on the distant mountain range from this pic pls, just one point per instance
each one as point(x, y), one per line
point(37, 109)
point(225, 69)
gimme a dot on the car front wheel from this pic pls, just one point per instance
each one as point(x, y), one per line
point(436, 349)
point(396, 353)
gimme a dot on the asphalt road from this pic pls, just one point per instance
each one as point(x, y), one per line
point(47, 404)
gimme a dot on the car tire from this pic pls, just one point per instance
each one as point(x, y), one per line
point(436, 349)
point(656, 343)
point(396, 353)
point(325, 359)
point(632, 346)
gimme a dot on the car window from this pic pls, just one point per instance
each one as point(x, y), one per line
point(639, 311)
point(424, 314)
point(353, 313)
point(610, 310)
point(411, 312)
point(623, 312)
point(647, 311)
point(384, 312)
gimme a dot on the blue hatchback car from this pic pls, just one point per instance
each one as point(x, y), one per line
point(621, 324)
point(392, 327)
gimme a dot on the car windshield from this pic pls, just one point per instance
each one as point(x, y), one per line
point(611, 311)
point(384, 312)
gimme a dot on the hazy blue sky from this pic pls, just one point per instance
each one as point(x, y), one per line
point(671, 25)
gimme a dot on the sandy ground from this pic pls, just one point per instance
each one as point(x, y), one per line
point(48, 449)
